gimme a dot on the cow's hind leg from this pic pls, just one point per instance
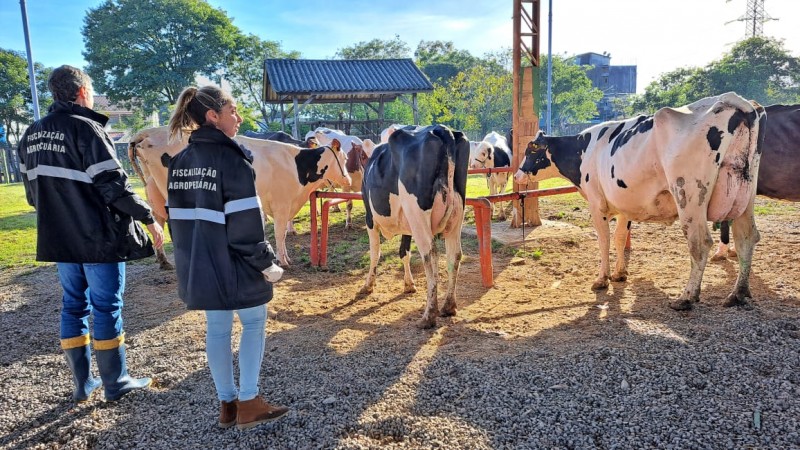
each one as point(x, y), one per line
point(695, 229)
point(374, 257)
point(405, 256)
point(620, 238)
point(452, 243)
point(430, 258)
point(746, 237)
point(600, 221)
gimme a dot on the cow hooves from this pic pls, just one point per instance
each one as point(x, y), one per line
point(426, 324)
point(363, 292)
point(681, 305)
point(600, 285)
point(410, 289)
point(734, 300)
point(732, 253)
point(621, 277)
point(718, 257)
point(166, 266)
point(448, 312)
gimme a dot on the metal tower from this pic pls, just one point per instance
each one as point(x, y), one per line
point(754, 18)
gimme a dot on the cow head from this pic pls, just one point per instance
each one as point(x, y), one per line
point(482, 156)
point(356, 158)
point(333, 164)
point(537, 158)
point(312, 142)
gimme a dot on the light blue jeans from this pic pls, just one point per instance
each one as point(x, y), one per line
point(91, 289)
point(251, 351)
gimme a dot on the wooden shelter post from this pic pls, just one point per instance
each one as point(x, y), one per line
point(296, 119)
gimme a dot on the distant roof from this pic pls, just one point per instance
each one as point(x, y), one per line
point(334, 81)
point(103, 104)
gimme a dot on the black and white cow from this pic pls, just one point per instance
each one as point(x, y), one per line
point(492, 152)
point(416, 186)
point(697, 163)
point(282, 136)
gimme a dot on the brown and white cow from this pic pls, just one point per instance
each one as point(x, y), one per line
point(697, 163)
point(285, 174)
point(415, 186)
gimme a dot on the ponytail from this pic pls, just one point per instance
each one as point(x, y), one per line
point(193, 103)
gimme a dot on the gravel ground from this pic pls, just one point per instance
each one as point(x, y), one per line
point(537, 362)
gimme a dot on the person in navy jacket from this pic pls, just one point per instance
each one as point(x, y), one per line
point(87, 223)
point(223, 261)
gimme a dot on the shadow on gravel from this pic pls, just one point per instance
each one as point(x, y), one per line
point(32, 326)
point(48, 426)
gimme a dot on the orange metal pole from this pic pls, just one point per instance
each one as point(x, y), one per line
point(323, 246)
point(314, 253)
point(483, 228)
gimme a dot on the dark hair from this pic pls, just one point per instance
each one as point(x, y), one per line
point(65, 81)
point(193, 103)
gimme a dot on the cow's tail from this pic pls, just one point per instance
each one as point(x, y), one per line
point(134, 158)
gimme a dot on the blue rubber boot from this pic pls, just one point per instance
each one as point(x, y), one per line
point(79, 360)
point(114, 372)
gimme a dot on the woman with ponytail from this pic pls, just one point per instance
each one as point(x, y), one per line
point(223, 261)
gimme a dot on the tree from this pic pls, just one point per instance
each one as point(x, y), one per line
point(375, 49)
point(152, 49)
point(678, 87)
point(574, 97)
point(475, 101)
point(16, 103)
point(758, 68)
point(245, 72)
point(441, 61)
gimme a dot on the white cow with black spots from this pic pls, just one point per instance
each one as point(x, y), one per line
point(696, 164)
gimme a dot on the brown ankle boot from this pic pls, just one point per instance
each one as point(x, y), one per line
point(227, 413)
point(256, 411)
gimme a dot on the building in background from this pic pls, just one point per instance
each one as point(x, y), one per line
point(614, 81)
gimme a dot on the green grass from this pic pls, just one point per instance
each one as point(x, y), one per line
point(349, 249)
point(18, 226)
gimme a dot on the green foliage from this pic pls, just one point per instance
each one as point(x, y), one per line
point(16, 104)
point(475, 101)
point(757, 68)
point(574, 97)
point(441, 61)
point(249, 118)
point(136, 122)
point(676, 88)
point(245, 72)
point(151, 49)
point(375, 49)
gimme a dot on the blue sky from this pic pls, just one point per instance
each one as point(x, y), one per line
point(657, 36)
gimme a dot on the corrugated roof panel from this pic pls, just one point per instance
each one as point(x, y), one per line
point(308, 76)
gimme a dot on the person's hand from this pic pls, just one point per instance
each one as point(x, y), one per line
point(157, 233)
point(273, 273)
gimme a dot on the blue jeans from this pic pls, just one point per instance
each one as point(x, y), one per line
point(92, 289)
point(251, 351)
